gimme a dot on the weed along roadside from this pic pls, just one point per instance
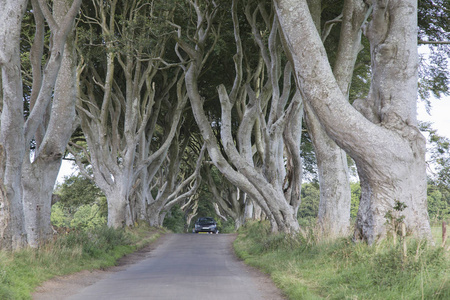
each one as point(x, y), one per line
point(307, 268)
point(100, 248)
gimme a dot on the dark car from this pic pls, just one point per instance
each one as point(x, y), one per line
point(206, 225)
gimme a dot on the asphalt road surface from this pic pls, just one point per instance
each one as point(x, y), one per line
point(185, 266)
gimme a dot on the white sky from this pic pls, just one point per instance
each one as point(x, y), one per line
point(67, 169)
point(440, 115)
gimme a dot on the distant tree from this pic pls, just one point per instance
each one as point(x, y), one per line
point(310, 201)
point(438, 203)
point(77, 190)
point(88, 217)
point(356, 196)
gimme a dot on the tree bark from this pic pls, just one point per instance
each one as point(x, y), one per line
point(387, 145)
point(12, 233)
point(334, 207)
point(40, 175)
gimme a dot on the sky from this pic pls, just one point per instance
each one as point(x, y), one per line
point(440, 115)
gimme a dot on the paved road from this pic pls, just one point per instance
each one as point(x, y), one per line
point(185, 266)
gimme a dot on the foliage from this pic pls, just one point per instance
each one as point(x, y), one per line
point(439, 156)
point(81, 204)
point(438, 203)
point(305, 268)
point(309, 207)
point(308, 157)
point(433, 16)
point(226, 226)
point(96, 241)
point(87, 216)
point(22, 271)
point(77, 190)
point(174, 220)
point(59, 216)
point(84, 217)
point(356, 196)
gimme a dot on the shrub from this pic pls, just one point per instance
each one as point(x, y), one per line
point(87, 216)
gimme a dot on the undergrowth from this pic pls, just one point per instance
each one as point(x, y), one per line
point(22, 271)
point(307, 268)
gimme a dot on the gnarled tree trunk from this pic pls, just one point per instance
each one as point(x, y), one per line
point(384, 142)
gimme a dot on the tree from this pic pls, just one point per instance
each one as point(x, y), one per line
point(78, 190)
point(12, 231)
point(120, 106)
point(334, 207)
point(23, 175)
point(269, 103)
point(382, 137)
point(52, 113)
point(173, 185)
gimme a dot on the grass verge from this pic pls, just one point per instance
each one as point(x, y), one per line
point(308, 269)
point(22, 271)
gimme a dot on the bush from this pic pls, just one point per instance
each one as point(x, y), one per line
point(87, 216)
point(227, 226)
point(174, 220)
point(59, 217)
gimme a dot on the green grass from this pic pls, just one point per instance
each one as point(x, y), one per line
point(437, 234)
point(307, 269)
point(22, 271)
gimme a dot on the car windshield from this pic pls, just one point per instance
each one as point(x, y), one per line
point(205, 221)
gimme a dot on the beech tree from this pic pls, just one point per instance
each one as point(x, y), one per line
point(12, 231)
point(264, 95)
point(119, 102)
point(28, 175)
point(334, 206)
point(382, 135)
point(175, 186)
point(53, 129)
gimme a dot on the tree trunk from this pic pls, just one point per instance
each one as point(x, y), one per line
point(38, 183)
point(117, 207)
point(385, 143)
point(40, 175)
point(335, 197)
point(335, 194)
point(153, 215)
point(12, 140)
